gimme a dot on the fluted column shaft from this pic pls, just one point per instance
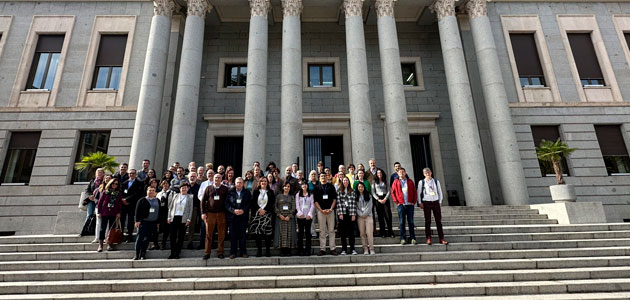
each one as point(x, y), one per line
point(393, 91)
point(255, 126)
point(145, 134)
point(358, 87)
point(506, 150)
point(187, 99)
point(471, 161)
point(291, 138)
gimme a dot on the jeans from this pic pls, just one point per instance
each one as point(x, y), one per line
point(91, 206)
point(106, 223)
point(145, 232)
point(128, 217)
point(406, 212)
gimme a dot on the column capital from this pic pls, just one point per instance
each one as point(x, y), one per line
point(198, 8)
point(353, 8)
point(292, 7)
point(163, 7)
point(477, 8)
point(385, 8)
point(259, 8)
point(443, 8)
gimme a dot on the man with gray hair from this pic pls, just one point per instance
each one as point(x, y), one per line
point(237, 206)
point(430, 198)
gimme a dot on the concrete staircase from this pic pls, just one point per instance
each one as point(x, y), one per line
point(505, 252)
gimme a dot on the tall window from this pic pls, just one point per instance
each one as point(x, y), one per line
point(549, 133)
point(530, 71)
point(109, 62)
point(89, 142)
point(321, 75)
point(613, 149)
point(235, 75)
point(45, 62)
point(627, 36)
point(20, 158)
point(586, 59)
point(409, 74)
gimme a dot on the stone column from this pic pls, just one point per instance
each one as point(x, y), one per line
point(291, 141)
point(187, 98)
point(254, 131)
point(393, 91)
point(510, 169)
point(472, 167)
point(358, 86)
point(145, 134)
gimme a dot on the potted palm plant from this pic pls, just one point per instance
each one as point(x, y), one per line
point(554, 152)
point(96, 160)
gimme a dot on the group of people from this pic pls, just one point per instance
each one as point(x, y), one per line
point(270, 208)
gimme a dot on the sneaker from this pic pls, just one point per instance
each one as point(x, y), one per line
point(366, 252)
point(403, 242)
point(206, 257)
point(413, 242)
point(354, 252)
point(232, 256)
point(343, 253)
point(372, 252)
point(94, 241)
point(110, 248)
point(321, 253)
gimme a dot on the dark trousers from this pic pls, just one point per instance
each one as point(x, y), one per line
point(267, 239)
point(346, 229)
point(238, 225)
point(145, 233)
point(405, 213)
point(128, 217)
point(433, 206)
point(178, 234)
point(384, 213)
point(193, 224)
point(106, 223)
point(304, 232)
point(162, 228)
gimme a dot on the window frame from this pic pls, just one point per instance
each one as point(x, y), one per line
point(335, 61)
point(35, 66)
point(564, 162)
point(221, 74)
point(239, 77)
point(321, 75)
point(622, 26)
point(8, 153)
point(625, 145)
point(416, 61)
point(5, 27)
point(78, 155)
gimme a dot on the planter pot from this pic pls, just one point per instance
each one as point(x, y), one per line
point(562, 193)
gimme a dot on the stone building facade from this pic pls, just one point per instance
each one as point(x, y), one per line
point(468, 113)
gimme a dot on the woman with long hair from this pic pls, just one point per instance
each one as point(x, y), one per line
point(365, 219)
point(305, 206)
point(229, 178)
point(347, 212)
point(249, 181)
point(91, 190)
point(97, 196)
point(109, 209)
point(381, 193)
point(263, 204)
point(285, 211)
point(150, 175)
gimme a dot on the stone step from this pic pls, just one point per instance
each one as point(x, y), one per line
point(580, 296)
point(307, 281)
point(364, 292)
point(151, 269)
point(558, 236)
point(389, 253)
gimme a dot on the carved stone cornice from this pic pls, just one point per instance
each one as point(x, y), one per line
point(477, 8)
point(443, 8)
point(259, 8)
point(163, 7)
point(198, 8)
point(292, 7)
point(353, 8)
point(384, 8)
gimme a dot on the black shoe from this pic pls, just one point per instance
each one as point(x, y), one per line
point(190, 246)
point(232, 256)
point(221, 256)
point(136, 257)
point(244, 255)
point(176, 256)
point(259, 253)
point(205, 257)
point(321, 253)
point(199, 247)
point(172, 256)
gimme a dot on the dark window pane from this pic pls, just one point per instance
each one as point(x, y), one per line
point(627, 36)
point(111, 50)
point(409, 74)
point(549, 133)
point(526, 55)
point(235, 75)
point(321, 76)
point(49, 43)
point(313, 76)
point(613, 148)
point(585, 56)
point(327, 76)
point(45, 62)
point(242, 77)
point(90, 142)
point(18, 163)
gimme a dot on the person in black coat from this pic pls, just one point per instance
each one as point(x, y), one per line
point(237, 206)
point(147, 213)
point(263, 214)
point(133, 189)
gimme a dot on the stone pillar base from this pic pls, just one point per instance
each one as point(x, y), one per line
point(573, 212)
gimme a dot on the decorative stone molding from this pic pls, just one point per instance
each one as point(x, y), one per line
point(259, 8)
point(292, 7)
point(353, 8)
point(163, 7)
point(198, 8)
point(443, 8)
point(477, 8)
point(385, 8)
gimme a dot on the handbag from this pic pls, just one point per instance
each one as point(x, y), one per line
point(115, 234)
point(89, 228)
point(82, 202)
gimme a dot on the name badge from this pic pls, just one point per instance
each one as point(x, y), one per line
point(126, 191)
point(404, 189)
point(152, 210)
point(306, 206)
point(285, 207)
point(325, 197)
point(432, 193)
point(380, 194)
point(238, 200)
point(216, 197)
point(110, 204)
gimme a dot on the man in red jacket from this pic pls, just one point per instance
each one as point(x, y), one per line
point(405, 198)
